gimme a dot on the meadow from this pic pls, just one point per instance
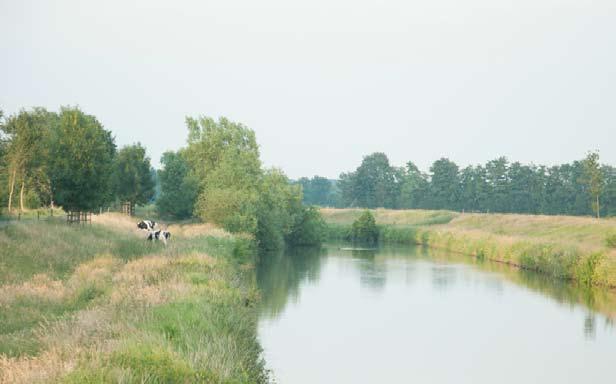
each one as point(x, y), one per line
point(576, 248)
point(96, 303)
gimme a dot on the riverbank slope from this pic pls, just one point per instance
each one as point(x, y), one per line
point(576, 248)
point(97, 303)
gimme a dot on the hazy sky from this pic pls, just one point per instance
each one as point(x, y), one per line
point(325, 82)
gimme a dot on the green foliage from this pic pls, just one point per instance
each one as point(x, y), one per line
point(81, 161)
point(444, 185)
point(224, 158)
point(497, 186)
point(320, 191)
point(395, 235)
point(178, 188)
point(153, 364)
point(364, 229)
point(132, 178)
point(25, 149)
point(235, 192)
point(593, 179)
point(587, 267)
point(309, 228)
point(278, 207)
point(372, 185)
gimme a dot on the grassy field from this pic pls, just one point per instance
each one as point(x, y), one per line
point(96, 303)
point(577, 248)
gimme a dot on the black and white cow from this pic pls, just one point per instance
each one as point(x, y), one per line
point(159, 235)
point(146, 225)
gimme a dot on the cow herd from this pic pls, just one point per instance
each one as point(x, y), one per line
point(153, 234)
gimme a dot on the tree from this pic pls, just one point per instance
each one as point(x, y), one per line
point(132, 178)
point(317, 191)
point(81, 161)
point(27, 140)
point(178, 188)
point(414, 188)
point(444, 184)
point(278, 209)
point(608, 196)
point(498, 183)
point(593, 179)
point(224, 159)
point(374, 184)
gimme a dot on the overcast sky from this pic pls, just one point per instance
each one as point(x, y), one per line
point(325, 82)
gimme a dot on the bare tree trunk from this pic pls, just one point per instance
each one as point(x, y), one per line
point(12, 189)
point(598, 209)
point(21, 195)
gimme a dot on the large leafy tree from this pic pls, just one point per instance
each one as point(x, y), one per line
point(497, 179)
point(414, 188)
point(27, 143)
point(224, 158)
point(178, 188)
point(374, 184)
point(132, 176)
point(81, 161)
point(444, 184)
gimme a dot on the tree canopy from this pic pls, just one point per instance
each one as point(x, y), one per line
point(81, 161)
point(132, 175)
point(576, 188)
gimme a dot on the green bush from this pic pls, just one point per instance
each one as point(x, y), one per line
point(364, 229)
point(309, 228)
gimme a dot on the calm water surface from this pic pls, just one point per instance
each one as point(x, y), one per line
point(402, 315)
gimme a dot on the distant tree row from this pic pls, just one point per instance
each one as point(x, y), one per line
point(583, 187)
point(68, 159)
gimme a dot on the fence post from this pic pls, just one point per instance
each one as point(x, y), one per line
point(38, 215)
point(19, 216)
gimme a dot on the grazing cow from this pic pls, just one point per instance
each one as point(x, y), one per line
point(146, 225)
point(159, 235)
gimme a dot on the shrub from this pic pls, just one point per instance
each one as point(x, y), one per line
point(309, 228)
point(364, 229)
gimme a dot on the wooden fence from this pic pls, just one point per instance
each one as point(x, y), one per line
point(78, 217)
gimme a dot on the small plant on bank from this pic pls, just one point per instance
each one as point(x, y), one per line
point(364, 229)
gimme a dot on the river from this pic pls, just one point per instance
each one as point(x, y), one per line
point(413, 315)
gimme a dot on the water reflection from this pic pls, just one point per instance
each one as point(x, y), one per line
point(281, 274)
point(590, 327)
point(404, 314)
point(372, 272)
point(443, 276)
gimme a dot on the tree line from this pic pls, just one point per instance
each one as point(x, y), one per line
point(583, 187)
point(68, 159)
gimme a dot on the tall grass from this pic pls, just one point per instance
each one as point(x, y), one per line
point(113, 308)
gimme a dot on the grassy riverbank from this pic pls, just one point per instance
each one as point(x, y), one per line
point(96, 303)
point(576, 248)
